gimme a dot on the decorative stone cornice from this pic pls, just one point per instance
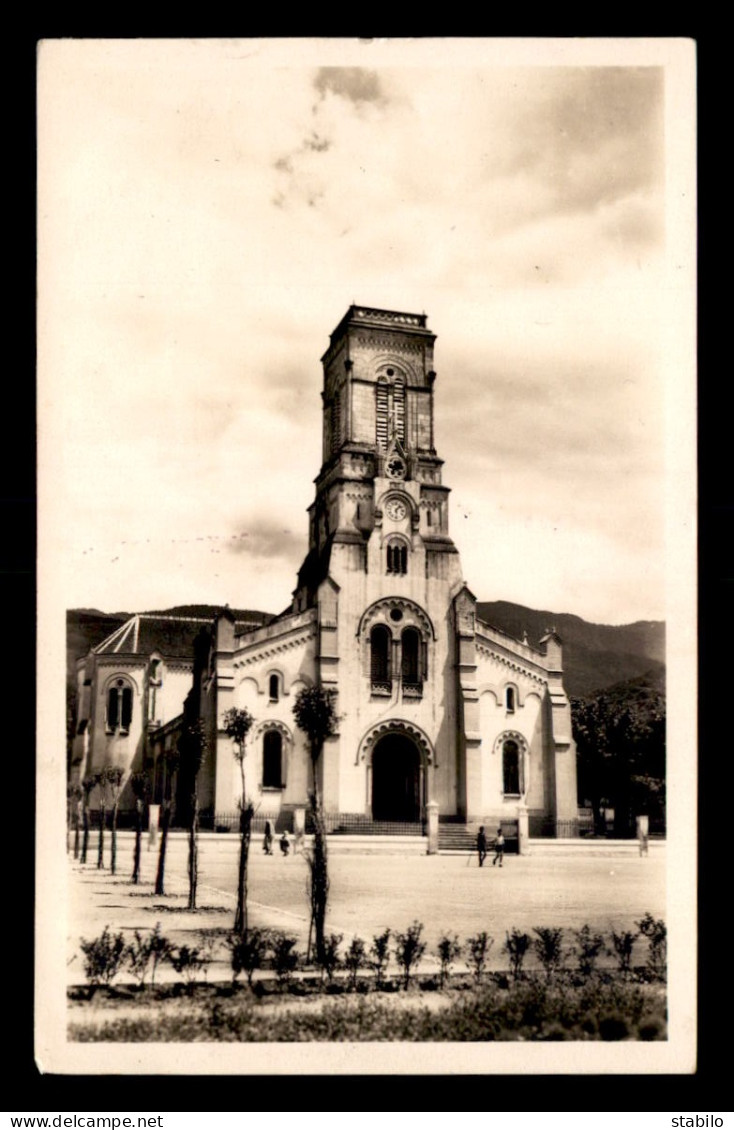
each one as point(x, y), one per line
point(277, 648)
point(369, 341)
point(485, 649)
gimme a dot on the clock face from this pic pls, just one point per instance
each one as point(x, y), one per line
point(395, 509)
point(395, 467)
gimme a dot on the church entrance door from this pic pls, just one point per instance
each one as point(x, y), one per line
point(396, 779)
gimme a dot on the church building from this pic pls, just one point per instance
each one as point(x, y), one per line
point(438, 711)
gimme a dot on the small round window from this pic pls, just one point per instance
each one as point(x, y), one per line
point(396, 615)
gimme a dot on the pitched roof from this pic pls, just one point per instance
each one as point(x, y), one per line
point(143, 634)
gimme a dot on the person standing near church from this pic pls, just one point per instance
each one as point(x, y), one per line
point(481, 845)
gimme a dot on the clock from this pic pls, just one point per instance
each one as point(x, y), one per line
point(395, 467)
point(395, 509)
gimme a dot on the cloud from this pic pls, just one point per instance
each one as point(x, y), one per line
point(264, 538)
point(356, 84)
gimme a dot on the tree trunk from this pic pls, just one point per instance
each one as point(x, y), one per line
point(113, 841)
point(240, 921)
point(319, 870)
point(193, 852)
point(138, 838)
point(161, 871)
point(76, 832)
point(320, 883)
point(100, 845)
point(85, 834)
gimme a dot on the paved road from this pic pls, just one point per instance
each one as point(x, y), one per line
point(371, 892)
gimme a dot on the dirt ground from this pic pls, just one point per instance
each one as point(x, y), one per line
point(368, 893)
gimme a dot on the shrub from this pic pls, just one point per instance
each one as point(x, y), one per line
point(479, 947)
point(148, 951)
point(103, 957)
point(516, 946)
point(614, 1027)
point(380, 956)
point(622, 946)
point(285, 956)
point(354, 959)
point(657, 938)
point(248, 953)
point(587, 949)
point(189, 961)
point(409, 949)
point(330, 954)
point(549, 948)
point(448, 951)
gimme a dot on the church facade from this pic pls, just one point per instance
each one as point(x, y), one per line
point(437, 710)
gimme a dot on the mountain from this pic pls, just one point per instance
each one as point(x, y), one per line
point(594, 655)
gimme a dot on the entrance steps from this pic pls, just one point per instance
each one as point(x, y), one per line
point(455, 837)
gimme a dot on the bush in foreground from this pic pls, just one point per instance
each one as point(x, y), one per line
point(533, 1009)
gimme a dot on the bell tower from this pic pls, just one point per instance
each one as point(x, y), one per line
point(378, 440)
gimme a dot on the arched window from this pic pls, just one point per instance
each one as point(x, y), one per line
point(411, 665)
point(381, 412)
point(510, 699)
point(274, 685)
point(389, 408)
point(336, 421)
point(119, 707)
point(510, 768)
point(397, 557)
point(380, 666)
point(272, 760)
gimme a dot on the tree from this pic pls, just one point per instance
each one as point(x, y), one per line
point(140, 785)
point(316, 717)
point(620, 741)
point(88, 785)
point(171, 759)
point(193, 745)
point(73, 797)
point(101, 782)
point(115, 777)
point(237, 725)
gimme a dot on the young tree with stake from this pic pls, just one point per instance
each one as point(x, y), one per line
point(88, 785)
point(171, 762)
point(101, 782)
point(193, 745)
point(316, 717)
point(140, 785)
point(237, 725)
point(115, 777)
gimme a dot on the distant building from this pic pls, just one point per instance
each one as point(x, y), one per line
point(435, 706)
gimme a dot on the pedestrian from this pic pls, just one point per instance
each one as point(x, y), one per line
point(285, 844)
point(481, 845)
point(268, 838)
point(499, 847)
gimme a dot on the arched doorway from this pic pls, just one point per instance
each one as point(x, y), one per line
point(396, 779)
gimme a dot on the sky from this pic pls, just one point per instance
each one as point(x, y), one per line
point(209, 209)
